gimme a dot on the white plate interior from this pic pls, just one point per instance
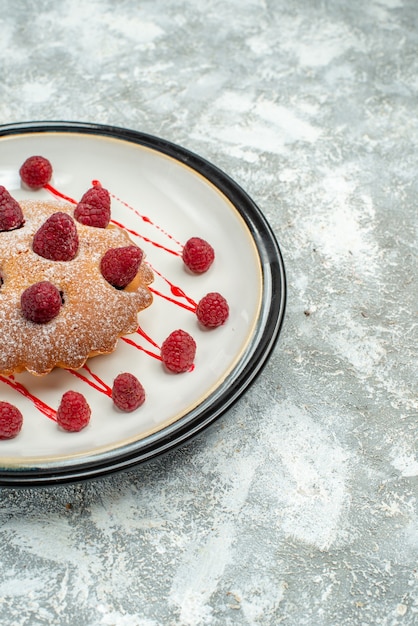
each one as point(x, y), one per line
point(180, 204)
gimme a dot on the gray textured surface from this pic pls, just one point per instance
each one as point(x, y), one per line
point(299, 506)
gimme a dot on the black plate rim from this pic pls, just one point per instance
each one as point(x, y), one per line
point(199, 418)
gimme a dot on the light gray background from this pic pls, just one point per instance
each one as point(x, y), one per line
point(300, 505)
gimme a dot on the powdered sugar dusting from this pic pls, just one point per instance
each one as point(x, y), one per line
point(93, 315)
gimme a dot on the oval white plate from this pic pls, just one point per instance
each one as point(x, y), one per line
point(165, 194)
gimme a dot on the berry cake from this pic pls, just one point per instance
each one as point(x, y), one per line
point(40, 331)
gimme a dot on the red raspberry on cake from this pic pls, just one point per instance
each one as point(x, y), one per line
point(94, 208)
point(198, 255)
point(57, 238)
point(127, 392)
point(212, 310)
point(178, 351)
point(119, 266)
point(11, 420)
point(11, 216)
point(41, 302)
point(36, 172)
point(73, 412)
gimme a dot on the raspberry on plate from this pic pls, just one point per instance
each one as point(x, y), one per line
point(212, 310)
point(57, 238)
point(119, 266)
point(11, 420)
point(94, 208)
point(73, 412)
point(11, 216)
point(178, 351)
point(127, 392)
point(198, 255)
point(36, 172)
point(40, 302)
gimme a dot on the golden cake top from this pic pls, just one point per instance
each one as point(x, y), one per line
point(93, 315)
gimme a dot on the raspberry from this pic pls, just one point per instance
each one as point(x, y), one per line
point(36, 172)
point(212, 310)
point(41, 302)
point(198, 255)
point(127, 392)
point(11, 215)
point(94, 208)
point(178, 351)
point(11, 420)
point(119, 266)
point(73, 412)
point(57, 238)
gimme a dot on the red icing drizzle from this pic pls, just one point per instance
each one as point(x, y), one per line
point(143, 334)
point(38, 403)
point(146, 239)
point(144, 218)
point(176, 291)
point(97, 383)
point(181, 304)
point(138, 347)
point(59, 194)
